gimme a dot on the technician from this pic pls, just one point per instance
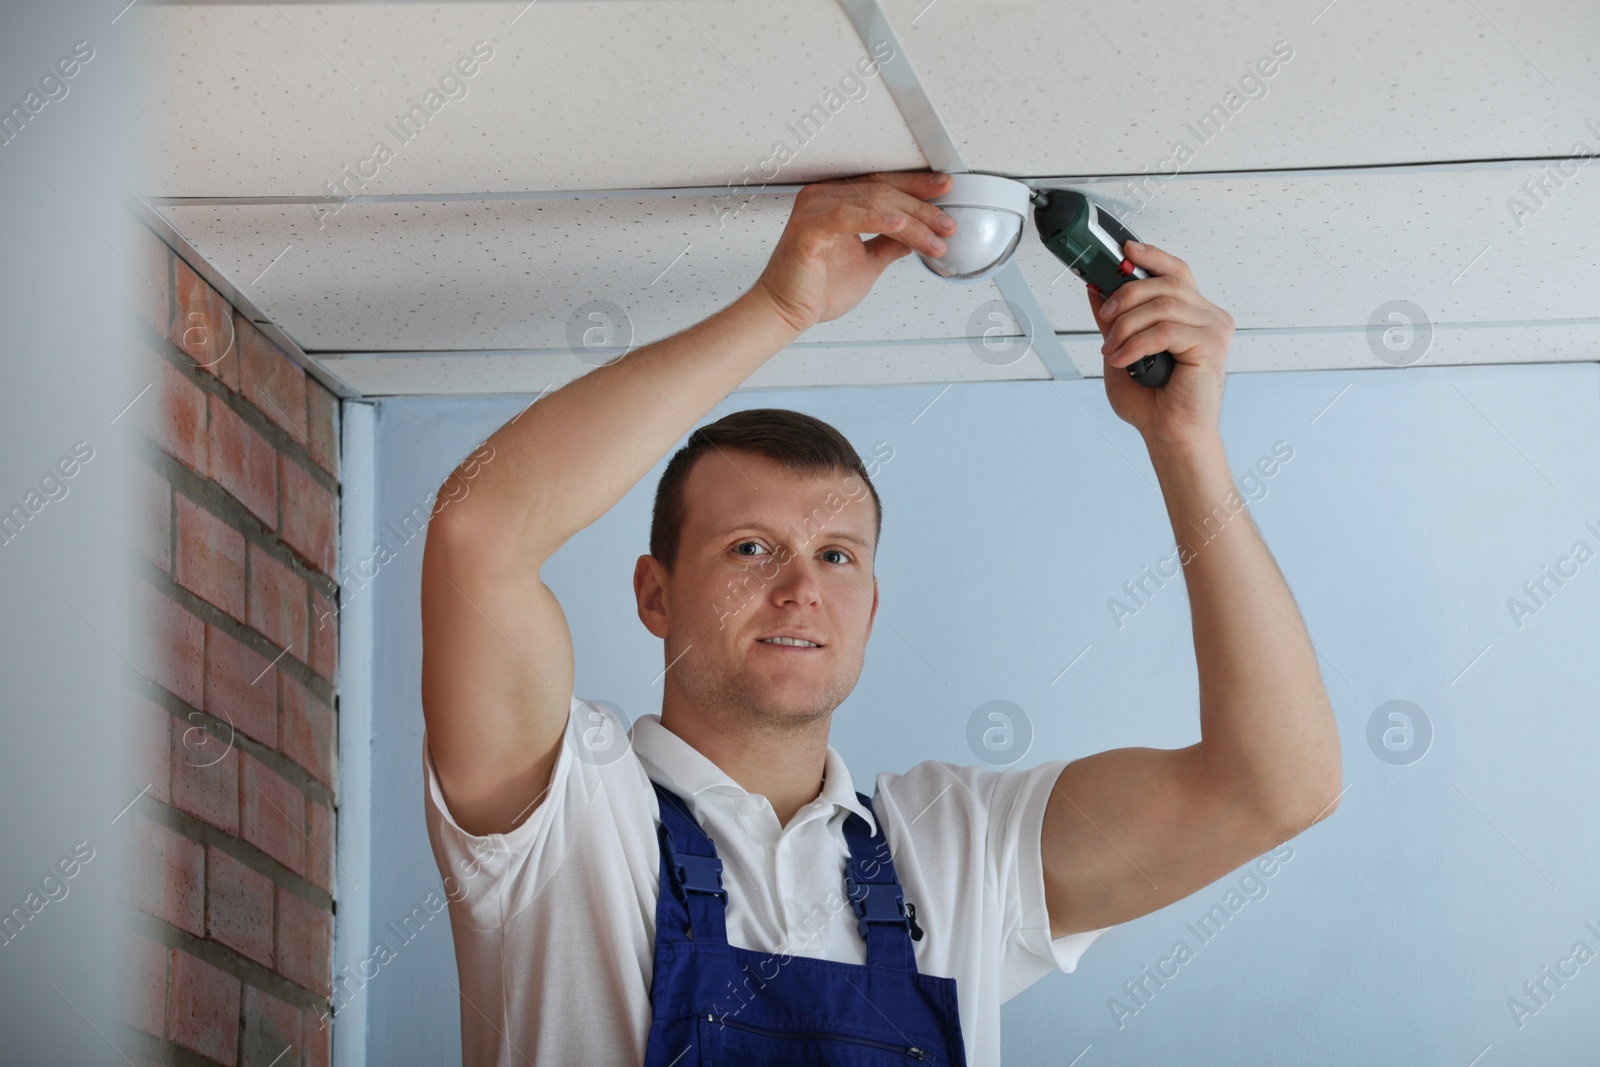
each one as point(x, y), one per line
point(710, 887)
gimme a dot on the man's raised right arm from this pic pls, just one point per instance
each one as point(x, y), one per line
point(497, 663)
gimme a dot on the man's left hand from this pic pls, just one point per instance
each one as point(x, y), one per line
point(1165, 313)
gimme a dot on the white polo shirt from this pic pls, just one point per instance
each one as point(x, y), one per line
point(554, 922)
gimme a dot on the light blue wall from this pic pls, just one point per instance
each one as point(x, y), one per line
point(1416, 503)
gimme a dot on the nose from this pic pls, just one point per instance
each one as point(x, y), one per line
point(797, 582)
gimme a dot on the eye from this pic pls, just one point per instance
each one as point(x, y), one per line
point(839, 552)
point(741, 545)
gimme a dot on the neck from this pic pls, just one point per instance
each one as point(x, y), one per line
point(783, 764)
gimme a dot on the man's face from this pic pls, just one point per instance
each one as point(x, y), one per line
point(764, 552)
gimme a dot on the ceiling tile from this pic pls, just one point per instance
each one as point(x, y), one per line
point(1030, 87)
point(518, 273)
point(1313, 250)
point(288, 99)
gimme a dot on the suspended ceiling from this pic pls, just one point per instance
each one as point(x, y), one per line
point(623, 150)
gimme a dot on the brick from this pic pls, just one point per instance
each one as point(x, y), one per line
point(271, 380)
point(210, 557)
point(308, 515)
point(203, 1008)
point(305, 940)
point(273, 1031)
point(167, 875)
point(240, 687)
point(279, 607)
point(201, 326)
point(243, 463)
point(149, 734)
point(319, 1039)
point(170, 644)
point(205, 775)
point(144, 983)
point(272, 814)
point(324, 637)
point(322, 415)
point(153, 301)
point(305, 729)
point(152, 515)
point(319, 845)
point(173, 412)
point(238, 906)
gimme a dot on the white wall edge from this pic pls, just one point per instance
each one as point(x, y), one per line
point(352, 927)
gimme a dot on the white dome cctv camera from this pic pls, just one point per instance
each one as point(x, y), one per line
point(990, 212)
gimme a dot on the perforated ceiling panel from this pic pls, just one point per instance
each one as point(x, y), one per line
point(1032, 87)
point(283, 99)
point(514, 274)
point(1400, 152)
point(1326, 249)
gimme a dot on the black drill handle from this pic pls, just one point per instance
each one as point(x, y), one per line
point(1153, 371)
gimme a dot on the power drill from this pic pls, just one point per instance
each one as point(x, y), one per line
point(1090, 242)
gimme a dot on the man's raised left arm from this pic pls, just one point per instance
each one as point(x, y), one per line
point(1131, 830)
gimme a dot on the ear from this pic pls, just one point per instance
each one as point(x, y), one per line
point(874, 614)
point(650, 591)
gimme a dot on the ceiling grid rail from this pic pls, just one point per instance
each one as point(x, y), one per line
point(939, 148)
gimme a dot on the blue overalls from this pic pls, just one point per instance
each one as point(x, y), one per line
point(718, 1004)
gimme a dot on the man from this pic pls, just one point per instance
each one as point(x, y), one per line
point(714, 889)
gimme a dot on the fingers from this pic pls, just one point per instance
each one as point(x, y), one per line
point(897, 198)
point(1164, 336)
point(900, 192)
point(1156, 307)
point(862, 215)
point(1158, 262)
point(919, 183)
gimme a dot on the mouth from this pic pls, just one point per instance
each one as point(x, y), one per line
point(790, 644)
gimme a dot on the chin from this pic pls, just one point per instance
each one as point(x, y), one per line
point(793, 700)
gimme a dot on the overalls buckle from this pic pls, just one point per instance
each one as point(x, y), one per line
point(887, 905)
point(699, 874)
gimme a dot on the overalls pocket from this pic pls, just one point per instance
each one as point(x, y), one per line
point(734, 1042)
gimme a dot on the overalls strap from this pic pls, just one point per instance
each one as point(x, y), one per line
point(874, 894)
point(713, 1003)
point(871, 887)
point(694, 870)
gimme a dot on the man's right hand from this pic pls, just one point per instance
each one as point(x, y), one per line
point(822, 268)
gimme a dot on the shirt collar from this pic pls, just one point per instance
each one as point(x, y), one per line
point(671, 761)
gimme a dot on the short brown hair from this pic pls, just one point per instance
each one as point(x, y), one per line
point(803, 444)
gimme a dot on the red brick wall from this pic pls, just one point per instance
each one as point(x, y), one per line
point(231, 894)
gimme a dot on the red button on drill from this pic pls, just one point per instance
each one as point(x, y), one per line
point(1125, 269)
